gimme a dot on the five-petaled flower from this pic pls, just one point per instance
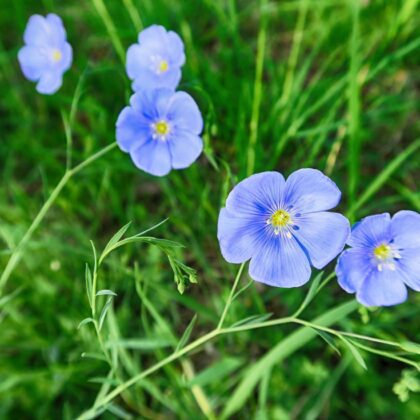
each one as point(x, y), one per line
point(161, 130)
point(283, 226)
point(383, 259)
point(46, 54)
point(156, 60)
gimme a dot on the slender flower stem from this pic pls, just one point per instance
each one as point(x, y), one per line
point(18, 251)
point(218, 332)
point(174, 356)
point(232, 292)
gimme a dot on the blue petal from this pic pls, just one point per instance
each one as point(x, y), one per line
point(353, 266)
point(37, 32)
point(176, 49)
point(49, 82)
point(66, 57)
point(323, 235)
point(309, 190)
point(32, 62)
point(238, 236)
point(409, 264)
point(147, 79)
point(405, 229)
point(132, 131)
point(185, 148)
point(56, 29)
point(135, 62)
point(152, 157)
point(260, 194)
point(382, 288)
point(281, 262)
point(371, 231)
point(184, 112)
point(154, 35)
point(152, 104)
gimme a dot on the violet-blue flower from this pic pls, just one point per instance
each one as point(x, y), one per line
point(156, 60)
point(383, 259)
point(161, 130)
point(46, 54)
point(282, 226)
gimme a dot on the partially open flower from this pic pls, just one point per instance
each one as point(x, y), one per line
point(383, 259)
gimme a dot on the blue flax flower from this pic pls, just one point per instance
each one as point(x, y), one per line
point(161, 130)
point(383, 260)
point(46, 54)
point(282, 226)
point(156, 60)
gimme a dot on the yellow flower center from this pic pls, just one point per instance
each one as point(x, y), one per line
point(280, 218)
point(382, 252)
point(163, 66)
point(161, 129)
point(57, 56)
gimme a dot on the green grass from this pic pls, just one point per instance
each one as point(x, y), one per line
point(329, 84)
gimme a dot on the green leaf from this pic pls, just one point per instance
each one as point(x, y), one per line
point(91, 355)
point(253, 319)
point(89, 284)
point(410, 347)
point(356, 354)
point(216, 372)
point(328, 339)
point(283, 349)
point(84, 322)
point(104, 311)
point(116, 238)
point(106, 293)
point(145, 344)
point(311, 294)
point(383, 176)
point(187, 333)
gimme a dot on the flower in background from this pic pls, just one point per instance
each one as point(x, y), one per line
point(156, 60)
point(383, 260)
point(282, 226)
point(46, 54)
point(161, 130)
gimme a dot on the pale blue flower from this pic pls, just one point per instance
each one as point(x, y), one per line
point(161, 130)
point(383, 259)
point(156, 60)
point(283, 226)
point(46, 54)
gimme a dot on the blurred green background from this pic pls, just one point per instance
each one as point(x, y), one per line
point(329, 84)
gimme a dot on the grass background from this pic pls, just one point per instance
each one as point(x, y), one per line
point(329, 84)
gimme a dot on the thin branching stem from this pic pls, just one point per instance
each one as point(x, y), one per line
point(17, 253)
point(230, 298)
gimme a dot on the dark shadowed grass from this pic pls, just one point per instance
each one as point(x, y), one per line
point(330, 84)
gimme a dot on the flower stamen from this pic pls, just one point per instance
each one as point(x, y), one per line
point(57, 56)
point(281, 220)
point(385, 257)
point(161, 130)
point(163, 66)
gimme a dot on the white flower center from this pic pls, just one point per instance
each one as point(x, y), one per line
point(159, 65)
point(161, 130)
point(57, 56)
point(385, 256)
point(281, 221)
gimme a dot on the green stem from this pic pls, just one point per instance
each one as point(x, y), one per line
point(17, 253)
point(120, 388)
point(230, 298)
